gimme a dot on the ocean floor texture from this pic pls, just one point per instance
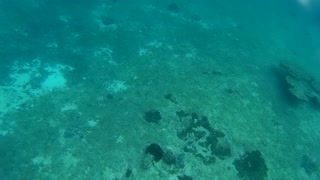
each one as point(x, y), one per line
point(177, 90)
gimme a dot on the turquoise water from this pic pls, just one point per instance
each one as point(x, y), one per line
point(177, 90)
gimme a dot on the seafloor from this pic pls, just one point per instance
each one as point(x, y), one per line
point(179, 90)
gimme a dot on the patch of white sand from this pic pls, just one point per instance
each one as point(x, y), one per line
point(69, 160)
point(29, 80)
point(92, 123)
point(42, 160)
point(69, 107)
point(116, 86)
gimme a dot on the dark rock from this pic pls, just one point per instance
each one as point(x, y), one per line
point(110, 96)
point(299, 83)
point(251, 166)
point(128, 173)
point(107, 21)
point(295, 71)
point(152, 116)
point(170, 97)
point(156, 151)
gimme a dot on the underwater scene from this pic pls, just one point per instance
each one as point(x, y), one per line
point(160, 90)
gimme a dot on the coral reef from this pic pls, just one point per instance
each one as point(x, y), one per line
point(152, 116)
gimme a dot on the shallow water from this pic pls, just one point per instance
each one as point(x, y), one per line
point(116, 89)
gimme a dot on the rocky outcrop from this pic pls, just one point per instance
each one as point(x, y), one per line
point(300, 83)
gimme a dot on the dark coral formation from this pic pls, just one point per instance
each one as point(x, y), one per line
point(152, 116)
point(201, 139)
point(300, 83)
point(155, 150)
point(171, 98)
point(251, 166)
